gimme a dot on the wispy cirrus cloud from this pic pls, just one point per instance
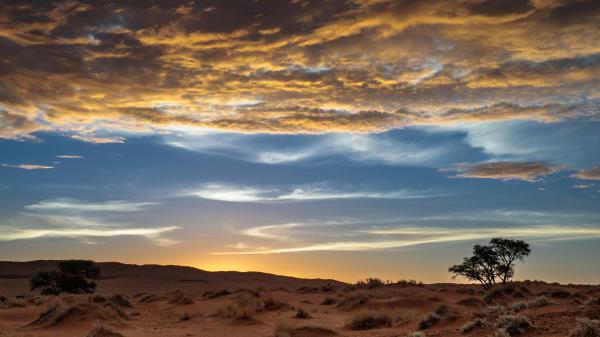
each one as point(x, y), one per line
point(408, 236)
point(81, 206)
point(69, 156)
point(28, 166)
point(527, 171)
point(314, 192)
point(153, 234)
point(71, 218)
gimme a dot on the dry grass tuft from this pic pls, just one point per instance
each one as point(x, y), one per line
point(370, 319)
point(429, 320)
point(210, 294)
point(586, 328)
point(302, 314)
point(416, 334)
point(473, 324)
point(101, 331)
point(513, 324)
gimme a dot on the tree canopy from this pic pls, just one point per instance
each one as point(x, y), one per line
point(492, 262)
point(72, 276)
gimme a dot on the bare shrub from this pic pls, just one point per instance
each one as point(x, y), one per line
point(370, 319)
point(472, 325)
point(513, 324)
point(429, 320)
point(101, 331)
point(538, 302)
point(370, 283)
point(210, 294)
point(586, 328)
point(283, 329)
point(302, 314)
point(416, 334)
point(328, 301)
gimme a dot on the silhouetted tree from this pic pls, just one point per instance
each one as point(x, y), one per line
point(508, 252)
point(73, 276)
point(492, 261)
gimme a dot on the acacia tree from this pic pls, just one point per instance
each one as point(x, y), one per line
point(491, 262)
point(73, 276)
point(508, 252)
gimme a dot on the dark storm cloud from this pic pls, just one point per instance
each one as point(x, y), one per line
point(85, 67)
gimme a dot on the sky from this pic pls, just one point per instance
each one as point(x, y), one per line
point(333, 139)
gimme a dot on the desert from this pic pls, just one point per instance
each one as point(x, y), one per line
point(152, 300)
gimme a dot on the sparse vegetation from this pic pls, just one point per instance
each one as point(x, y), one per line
point(473, 324)
point(210, 294)
point(586, 328)
point(72, 276)
point(492, 262)
point(101, 331)
point(429, 320)
point(283, 329)
point(416, 334)
point(328, 301)
point(537, 302)
point(370, 283)
point(370, 319)
point(302, 314)
point(513, 325)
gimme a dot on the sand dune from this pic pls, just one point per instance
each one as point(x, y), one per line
point(256, 304)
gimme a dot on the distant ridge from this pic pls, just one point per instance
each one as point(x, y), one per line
point(113, 270)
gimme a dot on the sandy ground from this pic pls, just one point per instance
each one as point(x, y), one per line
point(270, 308)
point(257, 312)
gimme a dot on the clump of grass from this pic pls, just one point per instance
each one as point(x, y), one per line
point(101, 331)
point(586, 328)
point(328, 301)
point(97, 299)
point(270, 304)
point(353, 301)
point(538, 302)
point(370, 283)
point(416, 334)
point(473, 324)
point(429, 320)
point(210, 294)
point(244, 308)
point(121, 301)
point(370, 319)
point(501, 333)
point(284, 329)
point(513, 324)
point(302, 314)
point(185, 317)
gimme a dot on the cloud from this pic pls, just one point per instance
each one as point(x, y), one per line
point(65, 204)
point(69, 156)
point(406, 236)
point(314, 192)
point(28, 166)
point(362, 148)
point(528, 171)
point(591, 174)
point(153, 234)
point(292, 67)
point(70, 218)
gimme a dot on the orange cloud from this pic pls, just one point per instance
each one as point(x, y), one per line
point(591, 174)
point(292, 67)
point(528, 171)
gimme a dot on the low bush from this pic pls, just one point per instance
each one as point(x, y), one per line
point(586, 328)
point(472, 325)
point(429, 320)
point(513, 324)
point(370, 319)
point(302, 314)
